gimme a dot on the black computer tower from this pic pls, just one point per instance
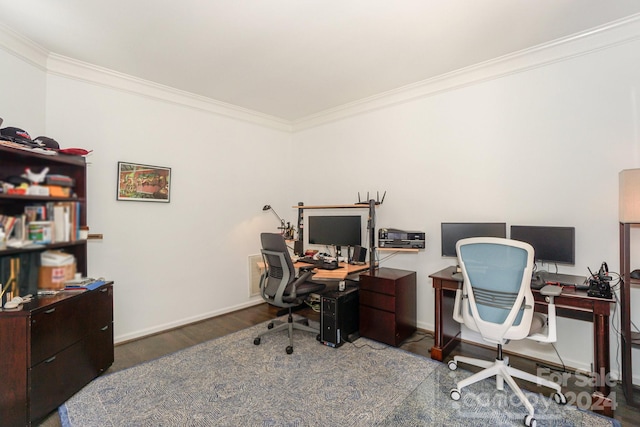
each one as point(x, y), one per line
point(339, 316)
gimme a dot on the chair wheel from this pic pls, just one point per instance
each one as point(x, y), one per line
point(256, 341)
point(455, 394)
point(453, 365)
point(529, 421)
point(560, 398)
point(270, 325)
point(318, 337)
point(289, 349)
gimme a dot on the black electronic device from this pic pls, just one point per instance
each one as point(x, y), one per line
point(335, 230)
point(298, 247)
point(551, 244)
point(399, 239)
point(599, 284)
point(339, 316)
point(451, 232)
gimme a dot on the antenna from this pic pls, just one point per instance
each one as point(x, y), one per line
point(384, 194)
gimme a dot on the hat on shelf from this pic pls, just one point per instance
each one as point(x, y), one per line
point(17, 135)
point(46, 142)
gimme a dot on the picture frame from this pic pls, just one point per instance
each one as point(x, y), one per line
point(143, 183)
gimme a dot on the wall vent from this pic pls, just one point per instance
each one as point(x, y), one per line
point(254, 275)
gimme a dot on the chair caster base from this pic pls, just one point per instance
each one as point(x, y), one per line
point(529, 421)
point(256, 341)
point(559, 398)
point(289, 349)
point(455, 394)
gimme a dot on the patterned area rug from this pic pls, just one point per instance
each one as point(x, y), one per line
point(230, 381)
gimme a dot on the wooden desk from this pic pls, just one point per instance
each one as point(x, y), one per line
point(333, 275)
point(571, 304)
point(337, 274)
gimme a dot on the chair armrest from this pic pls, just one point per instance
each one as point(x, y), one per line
point(551, 290)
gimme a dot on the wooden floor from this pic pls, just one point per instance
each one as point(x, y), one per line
point(152, 347)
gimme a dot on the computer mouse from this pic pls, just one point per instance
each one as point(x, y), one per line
point(635, 274)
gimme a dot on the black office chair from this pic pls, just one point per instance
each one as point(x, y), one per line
point(280, 287)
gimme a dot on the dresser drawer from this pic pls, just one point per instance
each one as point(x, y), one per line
point(377, 284)
point(376, 300)
point(100, 304)
point(57, 378)
point(57, 327)
point(378, 325)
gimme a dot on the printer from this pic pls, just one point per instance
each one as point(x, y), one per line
point(400, 239)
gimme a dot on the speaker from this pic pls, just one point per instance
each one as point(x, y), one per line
point(298, 247)
point(359, 254)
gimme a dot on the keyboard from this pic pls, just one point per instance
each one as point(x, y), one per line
point(318, 263)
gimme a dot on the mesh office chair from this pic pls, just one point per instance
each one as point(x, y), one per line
point(496, 301)
point(280, 287)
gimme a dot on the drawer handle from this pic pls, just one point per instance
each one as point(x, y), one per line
point(105, 328)
point(51, 310)
point(51, 359)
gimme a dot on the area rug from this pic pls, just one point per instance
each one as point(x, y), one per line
point(229, 381)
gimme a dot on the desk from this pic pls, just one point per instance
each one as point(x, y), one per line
point(571, 304)
point(333, 275)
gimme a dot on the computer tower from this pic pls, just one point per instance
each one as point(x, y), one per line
point(339, 316)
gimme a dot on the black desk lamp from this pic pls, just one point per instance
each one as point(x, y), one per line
point(287, 230)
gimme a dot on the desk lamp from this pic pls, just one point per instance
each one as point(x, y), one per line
point(287, 230)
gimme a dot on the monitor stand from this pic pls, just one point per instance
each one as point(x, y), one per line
point(338, 251)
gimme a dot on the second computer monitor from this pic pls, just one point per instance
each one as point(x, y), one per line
point(451, 232)
point(551, 244)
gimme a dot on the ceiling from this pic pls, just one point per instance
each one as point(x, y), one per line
point(292, 59)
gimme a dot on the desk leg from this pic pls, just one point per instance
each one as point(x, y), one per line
point(601, 352)
point(600, 400)
point(447, 330)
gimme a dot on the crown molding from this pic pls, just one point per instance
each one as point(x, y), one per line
point(54, 64)
point(615, 33)
point(599, 38)
point(82, 71)
point(23, 48)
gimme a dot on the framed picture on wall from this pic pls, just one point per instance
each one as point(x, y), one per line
point(143, 183)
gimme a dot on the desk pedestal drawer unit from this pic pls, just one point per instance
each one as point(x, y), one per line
point(388, 305)
point(52, 348)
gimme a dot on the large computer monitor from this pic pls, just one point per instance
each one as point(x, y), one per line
point(551, 244)
point(451, 232)
point(338, 230)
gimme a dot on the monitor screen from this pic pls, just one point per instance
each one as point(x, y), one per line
point(551, 244)
point(335, 230)
point(451, 232)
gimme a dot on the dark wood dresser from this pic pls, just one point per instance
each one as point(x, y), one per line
point(388, 305)
point(52, 348)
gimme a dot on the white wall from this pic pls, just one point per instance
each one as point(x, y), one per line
point(22, 94)
point(184, 260)
point(542, 147)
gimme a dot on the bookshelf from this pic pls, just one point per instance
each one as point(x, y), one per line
point(13, 163)
point(54, 345)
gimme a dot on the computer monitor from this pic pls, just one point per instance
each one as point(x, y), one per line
point(338, 230)
point(451, 232)
point(551, 244)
